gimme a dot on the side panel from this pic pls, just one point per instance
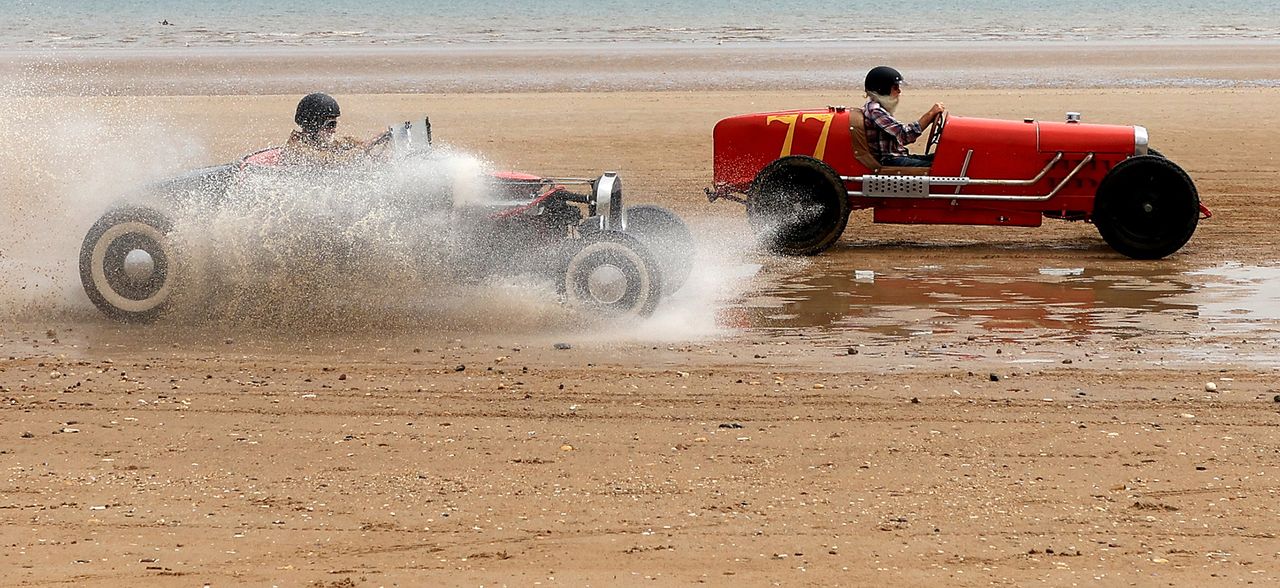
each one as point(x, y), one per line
point(1017, 150)
point(202, 186)
point(1084, 138)
point(1012, 150)
point(919, 215)
point(1001, 150)
point(744, 144)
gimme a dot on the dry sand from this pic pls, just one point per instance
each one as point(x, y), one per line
point(234, 455)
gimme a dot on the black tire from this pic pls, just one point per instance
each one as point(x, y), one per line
point(137, 290)
point(667, 238)
point(1146, 207)
point(612, 274)
point(797, 205)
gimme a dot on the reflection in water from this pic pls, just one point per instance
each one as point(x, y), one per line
point(1243, 295)
point(1117, 300)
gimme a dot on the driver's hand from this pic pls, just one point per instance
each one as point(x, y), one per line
point(938, 108)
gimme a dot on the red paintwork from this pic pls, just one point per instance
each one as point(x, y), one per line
point(269, 157)
point(745, 144)
point(516, 176)
point(1007, 150)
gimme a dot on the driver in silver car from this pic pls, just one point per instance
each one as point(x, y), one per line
point(886, 135)
point(315, 142)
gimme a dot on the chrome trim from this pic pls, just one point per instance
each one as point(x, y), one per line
point(408, 137)
point(573, 180)
point(964, 169)
point(1140, 145)
point(607, 201)
point(945, 181)
point(505, 203)
point(962, 181)
point(898, 186)
point(563, 181)
point(1074, 171)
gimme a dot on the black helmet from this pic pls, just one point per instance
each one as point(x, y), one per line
point(313, 109)
point(882, 79)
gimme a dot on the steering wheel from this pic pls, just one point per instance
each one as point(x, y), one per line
point(935, 134)
point(379, 147)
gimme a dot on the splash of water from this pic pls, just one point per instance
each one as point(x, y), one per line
point(367, 248)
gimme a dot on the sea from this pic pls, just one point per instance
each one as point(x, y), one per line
point(110, 24)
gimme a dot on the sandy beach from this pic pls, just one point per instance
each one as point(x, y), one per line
point(1000, 448)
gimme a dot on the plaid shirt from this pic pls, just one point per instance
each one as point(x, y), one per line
point(885, 135)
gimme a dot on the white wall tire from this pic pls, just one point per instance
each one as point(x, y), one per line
point(614, 275)
point(127, 264)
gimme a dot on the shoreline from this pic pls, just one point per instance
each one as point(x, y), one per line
point(626, 67)
point(628, 46)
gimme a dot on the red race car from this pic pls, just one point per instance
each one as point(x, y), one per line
point(800, 172)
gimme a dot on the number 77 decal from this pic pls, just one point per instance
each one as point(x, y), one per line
point(790, 121)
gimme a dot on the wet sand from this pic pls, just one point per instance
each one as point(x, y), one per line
point(911, 430)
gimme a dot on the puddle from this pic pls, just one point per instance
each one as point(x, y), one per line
point(1239, 296)
point(1186, 311)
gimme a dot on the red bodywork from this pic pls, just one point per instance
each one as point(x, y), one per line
point(995, 150)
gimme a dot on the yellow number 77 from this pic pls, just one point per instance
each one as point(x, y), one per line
point(790, 121)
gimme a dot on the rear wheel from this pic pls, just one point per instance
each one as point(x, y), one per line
point(613, 274)
point(797, 206)
point(667, 238)
point(127, 264)
point(1146, 207)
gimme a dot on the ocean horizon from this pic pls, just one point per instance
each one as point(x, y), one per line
point(119, 24)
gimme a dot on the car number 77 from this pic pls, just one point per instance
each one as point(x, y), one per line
point(790, 121)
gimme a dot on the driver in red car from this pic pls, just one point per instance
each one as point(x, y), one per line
point(316, 143)
point(886, 135)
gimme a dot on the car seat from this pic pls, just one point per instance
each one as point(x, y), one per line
point(862, 150)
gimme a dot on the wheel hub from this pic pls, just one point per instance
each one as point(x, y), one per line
point(139, 266)
point(607, 284)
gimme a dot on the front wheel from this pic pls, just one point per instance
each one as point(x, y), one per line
point(127, 264)
point(797, 206)
point(1146, 207)
point(613, 274)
